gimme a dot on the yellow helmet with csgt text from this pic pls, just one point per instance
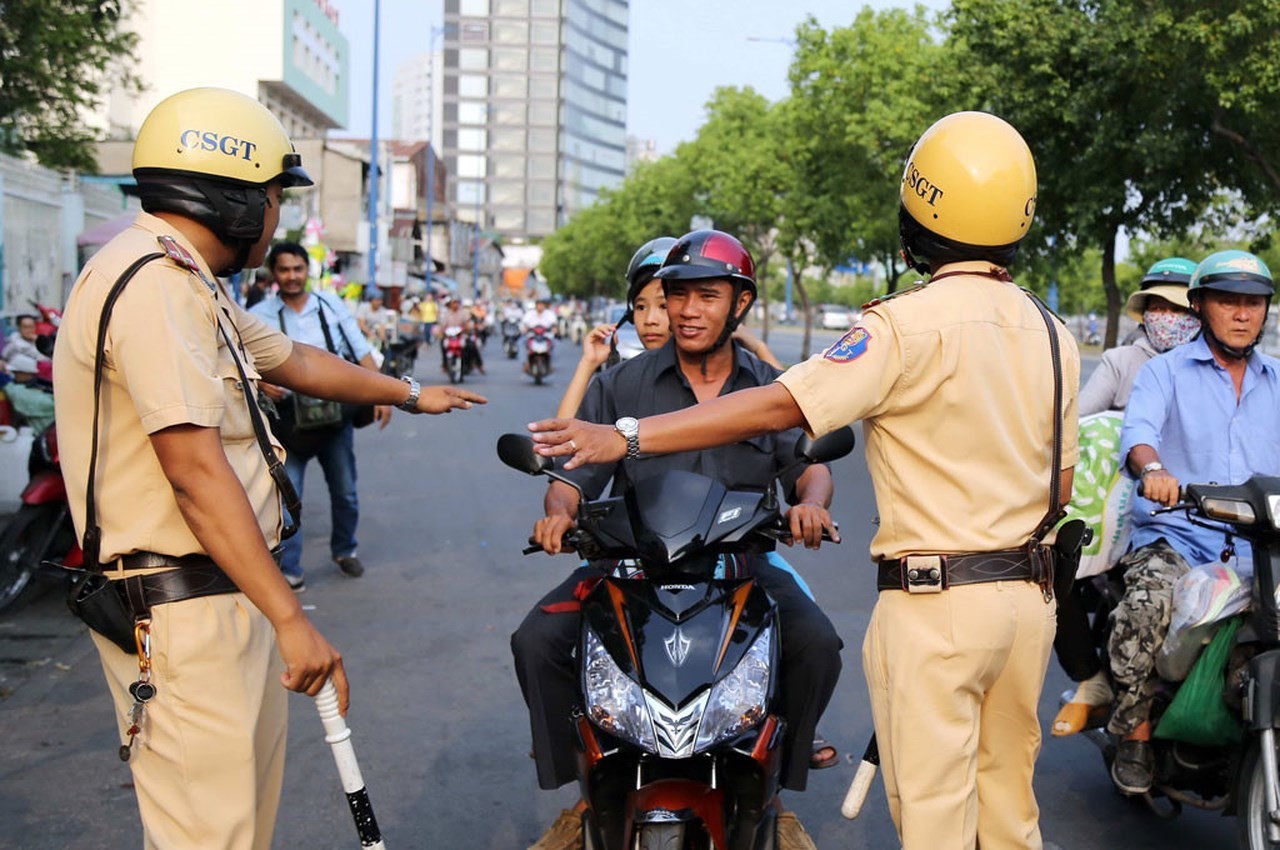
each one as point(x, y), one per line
point(210, 155)
point(968, 192)
point(217, 133)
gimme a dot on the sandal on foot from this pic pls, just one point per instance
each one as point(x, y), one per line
point(823, 755)
point(1077, 716)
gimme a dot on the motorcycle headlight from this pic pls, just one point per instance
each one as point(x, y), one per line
point(739, 701)
point(615, 702)
point(1229, 510)
point(1273, 505)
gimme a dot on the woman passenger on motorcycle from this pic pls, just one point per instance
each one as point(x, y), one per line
point(647, 310)
point(1165, 320)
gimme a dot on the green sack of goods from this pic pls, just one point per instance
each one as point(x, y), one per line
point(1101, 494)
point(1198, 714)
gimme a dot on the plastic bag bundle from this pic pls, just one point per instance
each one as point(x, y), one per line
point(1203, 597)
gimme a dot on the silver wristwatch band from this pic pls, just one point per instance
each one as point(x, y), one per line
point(410, 404)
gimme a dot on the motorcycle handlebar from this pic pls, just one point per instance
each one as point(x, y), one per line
point(569, 544)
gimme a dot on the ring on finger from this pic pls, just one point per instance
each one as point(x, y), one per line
point(573, 446)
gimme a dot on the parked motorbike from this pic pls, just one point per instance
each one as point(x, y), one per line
point(454, 344)
point(538, 358)
point(1240, 778)
point(41, 529)
point(511, 338)
point(679, 736)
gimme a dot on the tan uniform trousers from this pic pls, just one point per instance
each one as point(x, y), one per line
point(209, 764)
point(954, 679)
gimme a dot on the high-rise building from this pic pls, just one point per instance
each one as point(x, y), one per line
point(289, 54)
point(417, 113)
point(535, 109)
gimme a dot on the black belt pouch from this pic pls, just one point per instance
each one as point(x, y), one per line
point(1073, 536)
point(96, 600)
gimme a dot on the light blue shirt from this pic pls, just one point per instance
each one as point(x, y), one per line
point(304, 325)
point(1184, 406)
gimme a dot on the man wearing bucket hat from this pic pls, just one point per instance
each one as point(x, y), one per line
point(1204, 411)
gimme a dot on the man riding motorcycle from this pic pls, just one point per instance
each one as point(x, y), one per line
point(1205, 411)
point(709, 279)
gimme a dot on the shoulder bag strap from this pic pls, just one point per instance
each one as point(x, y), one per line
point(328, 340)
point(1055, 512)
point(91, 543)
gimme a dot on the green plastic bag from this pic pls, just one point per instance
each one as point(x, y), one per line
point(1198, 714)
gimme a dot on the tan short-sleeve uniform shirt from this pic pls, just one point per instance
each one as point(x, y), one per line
point(166, 364)
point(954, 387)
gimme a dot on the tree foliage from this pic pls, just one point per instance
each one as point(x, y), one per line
point(57, 59)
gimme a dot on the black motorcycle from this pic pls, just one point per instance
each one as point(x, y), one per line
point(399, 357)
point(679, 736)
point(511, 338)
point(1239, 778)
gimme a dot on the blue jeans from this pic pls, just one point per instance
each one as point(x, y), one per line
point(338, 460)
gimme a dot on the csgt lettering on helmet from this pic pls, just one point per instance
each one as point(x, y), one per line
point(208, 140)
point(921, 185)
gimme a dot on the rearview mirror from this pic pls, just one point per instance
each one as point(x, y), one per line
point(827, 448)
point(516, 451)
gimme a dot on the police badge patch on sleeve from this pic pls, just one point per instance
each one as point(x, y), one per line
point(850, 347)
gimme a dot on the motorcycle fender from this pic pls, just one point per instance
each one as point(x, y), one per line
point(44, 488)
point(670, 800)
point(1262, 702)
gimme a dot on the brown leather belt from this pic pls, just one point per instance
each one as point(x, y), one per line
point(935, 573)
point(194, 576)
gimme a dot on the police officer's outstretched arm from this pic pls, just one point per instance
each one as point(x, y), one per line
point(217, 510)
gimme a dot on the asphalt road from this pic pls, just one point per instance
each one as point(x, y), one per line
point(439, 725)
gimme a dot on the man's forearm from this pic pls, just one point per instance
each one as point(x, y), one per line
point(315, 372)
point(815, 486)
point(722, 421)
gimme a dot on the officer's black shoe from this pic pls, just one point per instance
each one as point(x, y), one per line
point(1134, 768)
point(350, 566)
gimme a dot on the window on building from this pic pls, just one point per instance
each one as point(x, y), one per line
point(542, 193)
point(543, 167)
point(542, 221)
point(508, 192)
point(544, 59)
point(473, 8)
point(542, 86)
point(473, 85)
point(507, 114)
point(510, 58)
point(508, 220)
point(473, 59)
point(471, 165)
point(511, 85)
point(542, 112)
point(508, 140)
point(508, 166)
point(542, 140)
point(470, 193)
point(510, 32)
point(472, 139)
point(545, 32)
point(472, 113)
point(511, 8)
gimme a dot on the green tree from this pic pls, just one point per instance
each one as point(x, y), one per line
point(1123, 104)
point(57, 58)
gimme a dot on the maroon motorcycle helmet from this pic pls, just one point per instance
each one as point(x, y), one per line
point(706, 254)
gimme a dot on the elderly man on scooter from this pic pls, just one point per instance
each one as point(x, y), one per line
point(1204, 411)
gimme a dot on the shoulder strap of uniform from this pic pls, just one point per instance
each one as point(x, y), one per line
point(174, 251)
point(916, 287)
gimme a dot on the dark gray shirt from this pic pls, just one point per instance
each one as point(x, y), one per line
point(651, 384)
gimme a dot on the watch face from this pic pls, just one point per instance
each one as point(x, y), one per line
point(627, 424)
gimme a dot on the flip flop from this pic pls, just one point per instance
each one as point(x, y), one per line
point(1076, 716)
point(817, 761)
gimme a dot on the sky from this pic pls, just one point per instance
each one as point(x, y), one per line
point(680, 51)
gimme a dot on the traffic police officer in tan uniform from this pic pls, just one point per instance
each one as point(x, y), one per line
point(953, 382)
point(182, 490)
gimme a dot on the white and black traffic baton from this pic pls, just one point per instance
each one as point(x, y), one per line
point(861, 784)
point(338, 736)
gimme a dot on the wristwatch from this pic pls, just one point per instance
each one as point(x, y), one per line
point(410, 404)
point(1154, 466)
point(629, 427)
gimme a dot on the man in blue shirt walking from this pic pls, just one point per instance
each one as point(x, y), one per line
point(1204, 411)
point(322, 320)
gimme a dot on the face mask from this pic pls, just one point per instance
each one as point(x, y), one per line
point(1167, 330)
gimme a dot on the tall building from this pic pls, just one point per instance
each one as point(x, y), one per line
point(535, 109)
point(416, 110)
point(289, 54)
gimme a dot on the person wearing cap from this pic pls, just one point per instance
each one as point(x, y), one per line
point(954, 381)
point(1203, 411)
point(31, 398)
point(1165, 320)
point(184, 508)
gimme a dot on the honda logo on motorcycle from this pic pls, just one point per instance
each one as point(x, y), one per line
point(677, 647)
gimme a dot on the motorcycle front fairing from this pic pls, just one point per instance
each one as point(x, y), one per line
point(688, 674)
